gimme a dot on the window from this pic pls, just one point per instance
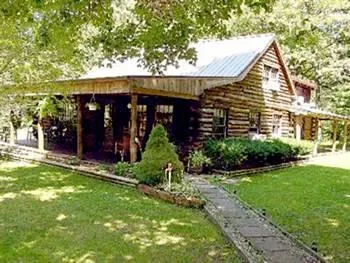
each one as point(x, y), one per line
point(220, 117)
point(254, 122)
point(141, 120)
point(277, 125)
point(271, 78)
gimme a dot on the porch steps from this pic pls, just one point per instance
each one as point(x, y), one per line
point(59, 160)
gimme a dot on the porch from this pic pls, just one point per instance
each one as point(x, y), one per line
point(111, 119)
point(309, 123)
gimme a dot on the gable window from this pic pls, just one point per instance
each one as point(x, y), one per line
point(254, 122)
point(220, 118)
point(277, 126)
point(271, 78)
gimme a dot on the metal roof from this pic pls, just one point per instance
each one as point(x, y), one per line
point(215, 58)
point(230, 66)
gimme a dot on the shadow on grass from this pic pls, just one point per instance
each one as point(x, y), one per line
point(51, 214)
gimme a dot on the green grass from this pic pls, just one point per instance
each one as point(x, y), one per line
point(311, 202)
point(53, 215)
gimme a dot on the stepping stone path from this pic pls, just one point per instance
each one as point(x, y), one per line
point(255, 238)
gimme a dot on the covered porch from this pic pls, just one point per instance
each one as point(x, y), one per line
point(113, 117)
point(308, 125)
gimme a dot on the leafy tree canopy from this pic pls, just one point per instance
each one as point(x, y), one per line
point(47, 40)
point(315, 37)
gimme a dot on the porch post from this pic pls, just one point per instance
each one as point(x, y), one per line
point(317, 137)
point(335, 129)
point(12, 134)
point(41, 139)
point(80, 145)
point(345, 135)
point(133, 128)
point(298, 120)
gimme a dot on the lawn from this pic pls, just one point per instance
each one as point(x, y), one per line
point(53, 215)
point(311, 202)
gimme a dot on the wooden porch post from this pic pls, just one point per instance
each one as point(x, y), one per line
point(41, 138)
point(298, 120)
point(133, 129)
point(335, 130)
point(12, 134)
point(345, 135)
point(80, 146)
point(317, 137)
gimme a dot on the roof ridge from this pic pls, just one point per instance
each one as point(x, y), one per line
point(238, 37)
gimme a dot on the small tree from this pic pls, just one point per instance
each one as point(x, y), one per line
point(159, 152)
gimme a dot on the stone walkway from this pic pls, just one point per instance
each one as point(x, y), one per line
point(255, 238)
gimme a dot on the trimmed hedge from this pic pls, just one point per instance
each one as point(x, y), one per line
point(231, 153)
point(159, 152)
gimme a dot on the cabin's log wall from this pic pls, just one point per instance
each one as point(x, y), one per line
point(248, 95)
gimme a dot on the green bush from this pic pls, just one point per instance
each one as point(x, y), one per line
point(231, 152)
point(226, 153)
point(123, 169)
point(158, 153)
point(301, 148)
point(198, 159)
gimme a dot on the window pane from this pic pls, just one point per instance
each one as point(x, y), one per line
point(219, 122)
point(254, 121)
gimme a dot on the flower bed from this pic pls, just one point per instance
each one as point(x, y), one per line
point(175, 198)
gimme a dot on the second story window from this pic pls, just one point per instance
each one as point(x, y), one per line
point(220, 118)
point(271, 78)
point(254, 122)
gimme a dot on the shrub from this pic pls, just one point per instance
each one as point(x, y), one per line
point(198, 159)
point(226, 153)
point(300, 148)
point(231, 153)
point(159, 151)
point(123, 169)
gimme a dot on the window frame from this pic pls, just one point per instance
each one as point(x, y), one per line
point(222, 114)
point(277, 122)
point(257, 120)
point(271, 78)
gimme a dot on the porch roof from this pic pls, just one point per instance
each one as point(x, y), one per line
point(304, 110)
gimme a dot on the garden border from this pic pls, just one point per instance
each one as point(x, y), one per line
point(272, 223)
point(262, 169)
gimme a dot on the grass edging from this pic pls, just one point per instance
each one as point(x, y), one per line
point(301, 244)
point(262, 169)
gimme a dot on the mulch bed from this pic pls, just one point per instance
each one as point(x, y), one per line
point(171, 197)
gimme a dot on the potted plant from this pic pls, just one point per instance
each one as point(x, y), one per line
point(198, 161)
point(92, 105)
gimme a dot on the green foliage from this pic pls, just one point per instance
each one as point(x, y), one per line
point(300, 148)
point(226, 153)
point(198, 159)
point(183, 188)
point(231, 153)
point(159, 152)
point(50, 107)
point(42, 41)
point(124, 169)
point(314, 35)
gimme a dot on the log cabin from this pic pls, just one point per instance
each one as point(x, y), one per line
point(239, 87)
